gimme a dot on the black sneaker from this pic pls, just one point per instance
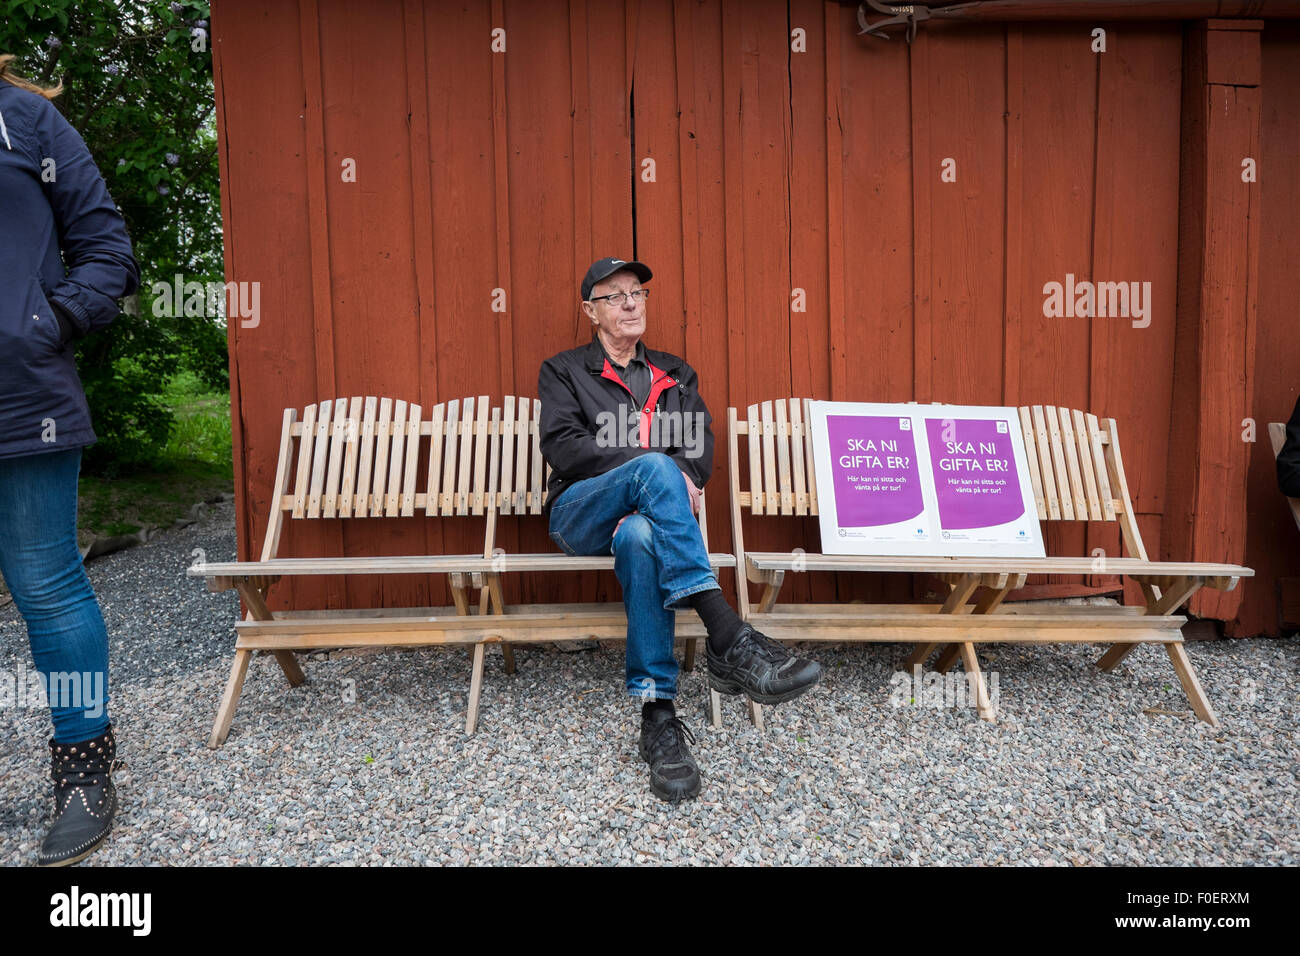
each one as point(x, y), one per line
point(761, 668)
point(673, 773)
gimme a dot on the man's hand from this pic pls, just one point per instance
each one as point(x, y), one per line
point(694, 493)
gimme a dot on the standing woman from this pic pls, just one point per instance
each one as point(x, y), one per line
point(65, 260)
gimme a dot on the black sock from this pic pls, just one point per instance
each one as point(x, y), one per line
point(652, 705)
point(719, 619)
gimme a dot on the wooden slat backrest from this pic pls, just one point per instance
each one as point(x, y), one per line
point(778, 458)
point(360, 457)
point(516, 466)
point(1075, 466)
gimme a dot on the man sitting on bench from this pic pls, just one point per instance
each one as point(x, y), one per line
point(629, 442)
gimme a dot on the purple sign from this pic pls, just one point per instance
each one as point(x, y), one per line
point(974, 468)
point(874, 470)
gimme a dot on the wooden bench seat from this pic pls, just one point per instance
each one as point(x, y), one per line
point(1077, 474)
point(351, 459)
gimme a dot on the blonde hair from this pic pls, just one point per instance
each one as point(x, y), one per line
point(10, 77)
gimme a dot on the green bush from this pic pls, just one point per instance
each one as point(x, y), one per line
point(137, 78)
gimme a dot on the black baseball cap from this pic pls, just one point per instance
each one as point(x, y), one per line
point(604, 268)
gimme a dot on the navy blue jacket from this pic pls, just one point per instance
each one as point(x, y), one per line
point(52, 200)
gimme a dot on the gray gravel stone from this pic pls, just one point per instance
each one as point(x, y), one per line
point(1073, 772)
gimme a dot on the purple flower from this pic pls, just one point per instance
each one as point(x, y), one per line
point(121, 163)
point(201, 23)
point(172, 159)
point(112, 69)
point(176, 7)
point(53, 42)
point(163, 190)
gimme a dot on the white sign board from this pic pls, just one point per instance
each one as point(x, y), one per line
point(939, 480)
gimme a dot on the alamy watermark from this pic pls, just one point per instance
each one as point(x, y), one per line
point(631, 427)
point(239, 300)
point(935, 689)
point(81, 690)
point(1086, 300)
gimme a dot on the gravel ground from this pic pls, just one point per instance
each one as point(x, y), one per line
point(367, 762)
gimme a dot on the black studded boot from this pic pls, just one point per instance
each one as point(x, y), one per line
point(84, 799)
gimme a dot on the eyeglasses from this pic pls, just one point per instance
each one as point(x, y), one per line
point(616, 299)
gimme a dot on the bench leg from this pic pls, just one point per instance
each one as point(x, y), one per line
point(919, 655)
point(289, 664)
point(1172, 598)
point(1113, 656)
point(688, 661)
point(982, 704)
point(1191, 686)
point(230, 698)
point(948, 658)
point(497, 602)
point(475, 685)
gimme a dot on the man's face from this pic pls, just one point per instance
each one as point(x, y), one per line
point(618, 322)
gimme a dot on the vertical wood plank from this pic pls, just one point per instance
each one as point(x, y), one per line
point(350, 457)
point(466, 456)
point(1030, 435)
point(454, 425)
point(488, 501)
point(383, 436)
point(481, 440)
point(1087, 467)
point(1061, 487)
point(1045, 471)
point(320, 457)
point(769, 461)
point(337, 436)
point(361, 504)
point(524, 442)
point(393, 490)
point(538, 480)
point(412, 459)
point(797, 427)
point(1103, 479)
point(308, 437)
point(507, 456)
point(432, 486)
point(754, 439)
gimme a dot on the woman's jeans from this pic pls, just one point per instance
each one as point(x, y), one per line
point(42, 567)
point(659, 556)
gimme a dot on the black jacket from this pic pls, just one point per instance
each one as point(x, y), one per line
point(1288, 459)
point(587, 427)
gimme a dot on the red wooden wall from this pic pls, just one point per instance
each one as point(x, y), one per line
point(774, 170)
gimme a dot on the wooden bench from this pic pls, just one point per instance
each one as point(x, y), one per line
point(1078, 475)
point(360, 458)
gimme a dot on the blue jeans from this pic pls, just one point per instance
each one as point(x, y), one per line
point(42, 567)
point(659, 556)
